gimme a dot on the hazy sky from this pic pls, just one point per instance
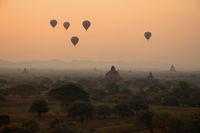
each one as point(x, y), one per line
point(116, 33)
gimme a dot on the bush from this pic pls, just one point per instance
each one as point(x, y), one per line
point(60, 126)
point(56, 122)
point(32, 126)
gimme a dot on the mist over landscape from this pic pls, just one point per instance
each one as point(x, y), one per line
point(90, 65)
point(99, 66)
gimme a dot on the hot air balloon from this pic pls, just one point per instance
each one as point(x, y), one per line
point(86, 24)
point(66, 25)
point(74, 40)
point(147, 35)
point(53, 23)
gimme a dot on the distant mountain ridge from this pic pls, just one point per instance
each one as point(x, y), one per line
point(85, 64)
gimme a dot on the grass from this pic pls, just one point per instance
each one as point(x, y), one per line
point(175, 110)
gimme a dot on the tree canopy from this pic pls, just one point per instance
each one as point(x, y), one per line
point(39, 106)
point(68, 93)
point(82, 109)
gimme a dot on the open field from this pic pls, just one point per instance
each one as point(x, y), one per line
point(18, 109)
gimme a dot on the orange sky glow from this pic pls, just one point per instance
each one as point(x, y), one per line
point(116, 33)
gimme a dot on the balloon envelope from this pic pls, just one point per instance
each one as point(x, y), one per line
point(53, 23)
point(147, 35)
point(86, 24)
point(66, 25)
point(74, 40)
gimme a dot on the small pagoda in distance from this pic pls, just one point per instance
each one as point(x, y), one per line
point(172, 69)
point(25, 70)
point(150, 76)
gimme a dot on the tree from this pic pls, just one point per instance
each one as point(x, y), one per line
point(68, 93)
point(194, 99)
point(146, 119)
point(192, 123)
point(139, 105)
point(4, 92)
point(3, 82)
point(123, 110)
point(25, 90)
point(104, 110)
point(4, 120)
point(168, 123)
point(84, 82)
point(125, 92)
point(170, 101)
point(162, 121)
point(182, 91)
point(46, 81)
point(141, 83)
point(39, 106)
point(81, 109)
point(113, 89)
point(97, 95)
point(139, 102)
point(2, 98)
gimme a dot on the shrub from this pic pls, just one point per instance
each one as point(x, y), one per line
point(31, 125)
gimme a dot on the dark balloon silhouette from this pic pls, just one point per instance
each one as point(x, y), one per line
point(147, 35)
point(66, 25)
point(74, 40)
point(53, 23)
point(86, 24)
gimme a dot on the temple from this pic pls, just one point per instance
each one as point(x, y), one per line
point(113, 76)
point(150, 76)
point(25, 70)
point(172, 69)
